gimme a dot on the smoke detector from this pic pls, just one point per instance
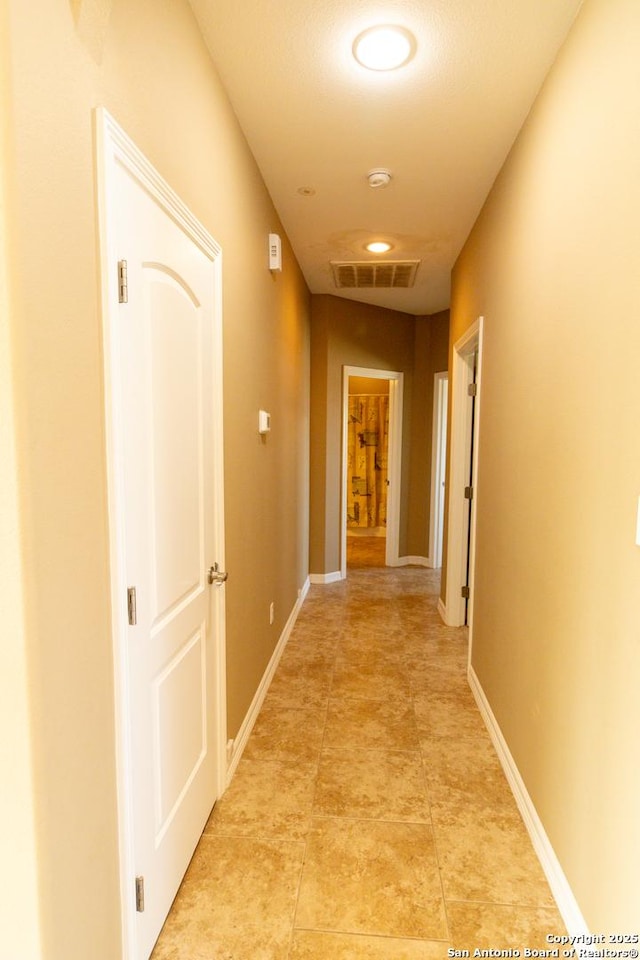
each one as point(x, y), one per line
point(379, 178)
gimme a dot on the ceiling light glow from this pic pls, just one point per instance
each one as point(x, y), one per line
point(384, 48)
point(378, 246)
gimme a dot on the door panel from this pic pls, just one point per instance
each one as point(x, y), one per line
point(180, 705)
point(176, 401)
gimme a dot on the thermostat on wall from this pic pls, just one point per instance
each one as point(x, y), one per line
point(264, 421)
point(275, 252)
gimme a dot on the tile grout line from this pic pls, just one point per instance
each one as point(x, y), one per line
point(370, 936)
point(294, 913)
point(432, 825)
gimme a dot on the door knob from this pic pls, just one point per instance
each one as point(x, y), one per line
point(215, 575)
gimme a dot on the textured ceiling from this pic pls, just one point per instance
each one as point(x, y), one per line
point(443, 124)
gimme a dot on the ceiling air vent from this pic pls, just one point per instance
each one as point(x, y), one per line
point(368, 273)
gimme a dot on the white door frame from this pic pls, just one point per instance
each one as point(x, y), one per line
point(115, 149)
point(438, 465)
point(394, 459)
point(460, 424)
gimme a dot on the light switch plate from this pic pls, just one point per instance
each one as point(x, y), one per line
point(264, 421)
point(275, 252)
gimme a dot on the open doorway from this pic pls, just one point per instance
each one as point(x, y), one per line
point(372, 427)
point(367, 471)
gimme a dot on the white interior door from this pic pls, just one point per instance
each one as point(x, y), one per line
point(168, 449)
point(438, 466)
point(442, 471)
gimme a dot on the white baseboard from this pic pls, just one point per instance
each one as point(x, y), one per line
point(366, 532)
point(325, 577)
point(567, 903)
point(244, 732)
point(412, 561)
point(302, 593)
point(444, 613)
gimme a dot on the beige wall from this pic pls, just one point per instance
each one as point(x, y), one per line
point(19, 898)
point(367, 386)
point(345, 332)
point(145, 62)
point(552, 264)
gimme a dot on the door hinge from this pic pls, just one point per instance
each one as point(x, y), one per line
point(472, 389)
point(140, 894)
point(468, 493)
point(123, 283)
point(132, 606)
point(465, 593)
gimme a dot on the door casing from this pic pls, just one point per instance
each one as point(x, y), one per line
point(460, 429)
point(114, 147)
point(438, 466)
point(394, 459)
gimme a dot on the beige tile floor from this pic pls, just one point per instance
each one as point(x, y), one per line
point(369, 816)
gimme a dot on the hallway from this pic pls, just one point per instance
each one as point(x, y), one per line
point(369, 816)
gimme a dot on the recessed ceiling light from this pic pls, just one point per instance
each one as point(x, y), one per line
point(384, 47)
point(378, 246)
